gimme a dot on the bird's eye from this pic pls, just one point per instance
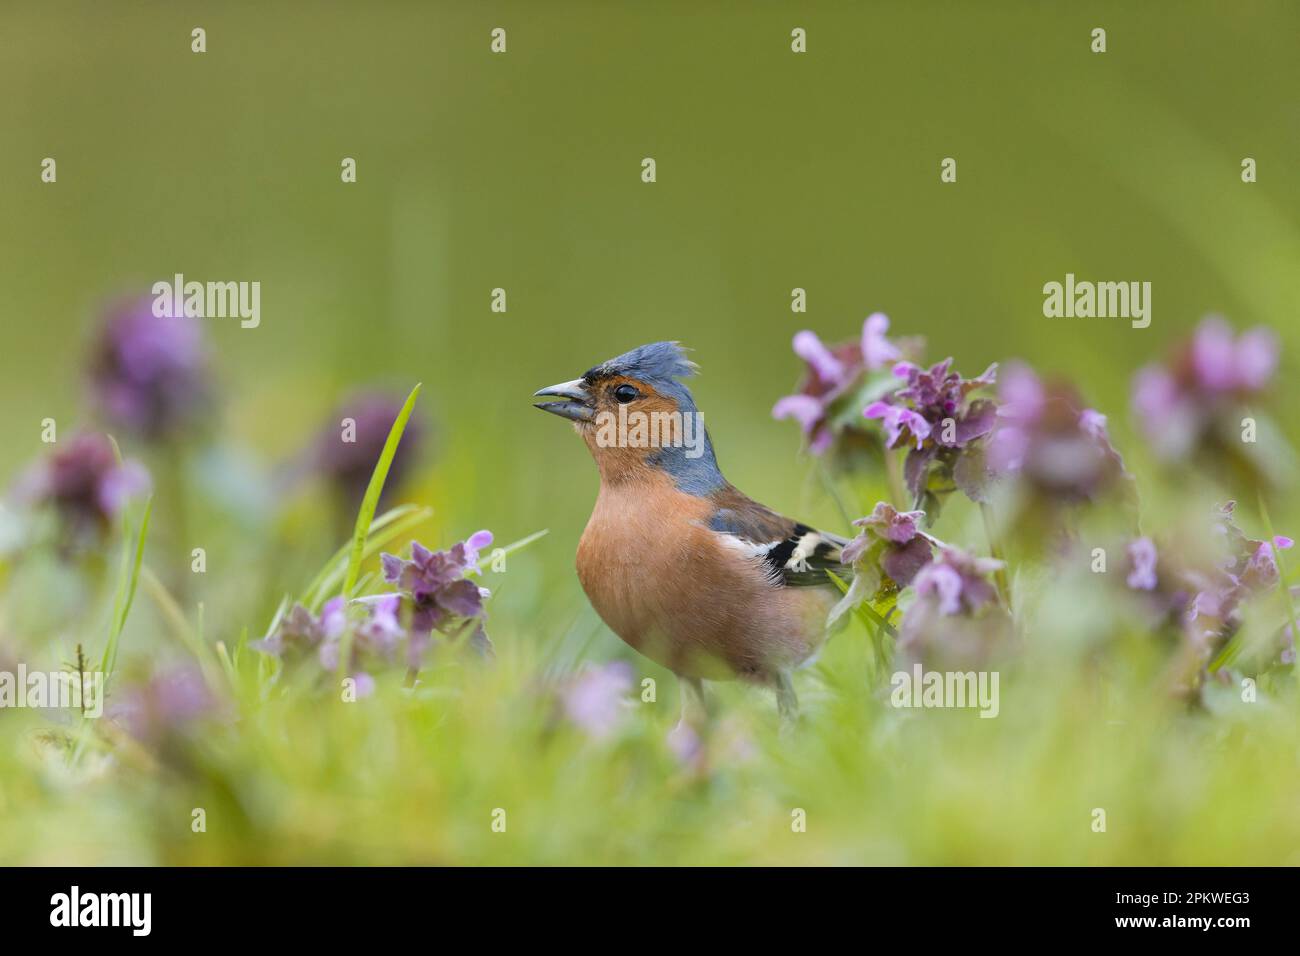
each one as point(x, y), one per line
point(625, 394)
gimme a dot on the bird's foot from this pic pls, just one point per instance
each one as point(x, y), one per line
point(787, 703)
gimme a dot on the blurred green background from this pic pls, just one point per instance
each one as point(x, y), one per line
point(522, 171)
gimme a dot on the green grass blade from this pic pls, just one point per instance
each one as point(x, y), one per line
point(126, 586)
point(330, 581)
point(368, 504)
point(336, 566)
point(510, 548)
point(366, 515)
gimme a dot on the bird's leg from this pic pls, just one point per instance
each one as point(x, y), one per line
point(787, 703)
point(695, 706)
point(687, 737)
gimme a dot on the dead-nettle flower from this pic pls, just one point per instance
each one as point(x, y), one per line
point(442, 596)
point(934, 416)
point(85, 483)
point(435, 595)
point(1143, 560)
point(149, 376)
point(833, 373)
point(348, 447)
point(1245, 567)
point(167, 706)
point(1180, 403)
point(375, 636)
point(376, 639)
point(1159, 581)
point(1046, 438)
point(956, 618)
point(1286, 646)
point(888, 552)
point(301, 633)
point(595, 700)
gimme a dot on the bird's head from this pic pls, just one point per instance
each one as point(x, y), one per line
point(638, 417)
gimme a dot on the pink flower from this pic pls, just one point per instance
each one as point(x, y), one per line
point(891, 540)
point(594, 700)
point(1044, 437)
point(935, 410)
point(85, 484)
point(896, 420)
point(1142, 556)
point(832, 374)
point(877, 351)
point(1179, 402)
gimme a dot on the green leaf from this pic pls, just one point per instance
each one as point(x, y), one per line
point(383, 531)
point(366, 515)
point(368, 504)
point(126, 584)
point(512, 548)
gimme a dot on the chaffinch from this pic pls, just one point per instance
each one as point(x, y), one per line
point(680, 564)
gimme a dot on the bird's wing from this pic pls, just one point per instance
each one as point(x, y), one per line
point(794, 554)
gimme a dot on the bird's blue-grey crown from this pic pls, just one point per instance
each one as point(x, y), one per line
point(659, 364)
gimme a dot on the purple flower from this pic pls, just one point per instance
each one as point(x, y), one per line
point(301, 632)
point(893, 540)
point(1045, 438)
point(886, 555)
point(956, 620)
point(1286, 646)
point(445, 599)
point(896, 418)
point(1180, 403)
point(375, 641)
point(878, 351)
point(1142, 559)
point(375, 636)
point(167, 706)
point(958, 582)
point(1221, 364)
point(85, 483)
point(346, 455)
point(1243, 568)
point(149, 376)
point(594, 700)
point(833, 373)
point(934, 409)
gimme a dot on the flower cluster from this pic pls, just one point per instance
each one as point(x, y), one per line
point(443, 597)
point(1058, 449)
point(168, 706)
point(85, 483)
point(935, 416)
point(595, 700)
point(888, 551)
point(434, 595)
point(1245, 567)
point(149, 376)
point(1204, 596)
point(346, 457)
point(956, 620)
point(824, 406)
point(1186, 405)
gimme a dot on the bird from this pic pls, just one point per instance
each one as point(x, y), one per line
point(679, 563)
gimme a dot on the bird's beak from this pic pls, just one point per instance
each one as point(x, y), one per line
point(575, 401)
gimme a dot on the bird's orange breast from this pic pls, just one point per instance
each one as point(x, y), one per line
point(674, 590)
